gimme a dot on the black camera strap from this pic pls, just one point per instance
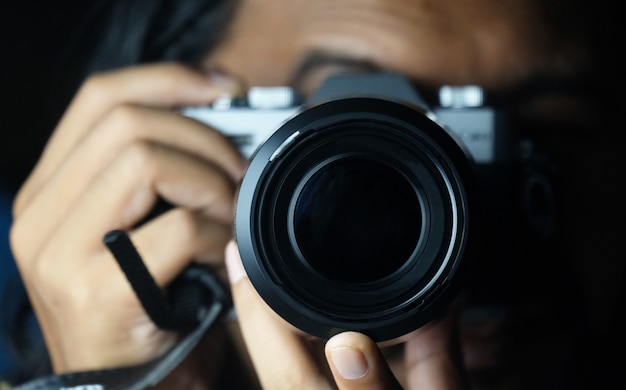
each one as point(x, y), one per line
point(196, 300)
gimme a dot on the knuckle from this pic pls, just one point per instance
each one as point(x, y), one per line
point(95, 88)
point(18, 239)
point(85, 294)
point(176, 72)
point(75, 291)
point(44, 276)
point(19, 203)
point(126, 119)
point(138, 156)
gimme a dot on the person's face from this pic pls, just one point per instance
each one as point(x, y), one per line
point(434, 42)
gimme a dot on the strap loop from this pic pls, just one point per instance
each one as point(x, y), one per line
point(197, 300)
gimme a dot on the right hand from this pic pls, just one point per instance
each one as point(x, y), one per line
point(286, 359)
point(119, 147)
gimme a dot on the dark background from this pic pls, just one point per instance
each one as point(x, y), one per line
point(33, 36)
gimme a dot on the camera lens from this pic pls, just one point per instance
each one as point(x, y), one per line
point(354, 215)
point(357, 220)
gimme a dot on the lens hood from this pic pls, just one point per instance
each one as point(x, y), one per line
point(355, 215)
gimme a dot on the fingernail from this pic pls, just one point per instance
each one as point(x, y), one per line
point(349, 362)
point(225, 82)
point(234, 266)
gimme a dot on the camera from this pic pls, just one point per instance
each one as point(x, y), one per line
point(358, 209)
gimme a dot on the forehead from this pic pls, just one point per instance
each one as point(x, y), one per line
point(432, 41)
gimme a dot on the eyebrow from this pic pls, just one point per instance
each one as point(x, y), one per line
point(318, 59)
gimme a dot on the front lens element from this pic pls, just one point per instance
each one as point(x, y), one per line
point(357, 220)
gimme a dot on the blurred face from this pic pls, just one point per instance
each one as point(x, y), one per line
point(494, 43)
point(434, 42)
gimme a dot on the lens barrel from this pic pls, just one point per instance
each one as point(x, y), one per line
point(355, 215)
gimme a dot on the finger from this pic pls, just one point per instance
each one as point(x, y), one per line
point(433, 357)
point(281, 358)
point(169, 242)
point(357, 363)
point(126, 191)
point(158, 85)
point(126, 125)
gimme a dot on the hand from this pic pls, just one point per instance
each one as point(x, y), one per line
point(284, 359)
point(120, 146)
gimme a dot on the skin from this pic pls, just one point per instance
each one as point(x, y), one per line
point(114, 151)
point(487, 42)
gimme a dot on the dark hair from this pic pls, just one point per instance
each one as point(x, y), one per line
point(112, 34)
point(119, 33)
point(138, 31)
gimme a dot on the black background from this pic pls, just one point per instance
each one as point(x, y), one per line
point(32, 37)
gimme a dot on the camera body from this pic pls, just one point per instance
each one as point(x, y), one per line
point(249, 120)
point(358, 209)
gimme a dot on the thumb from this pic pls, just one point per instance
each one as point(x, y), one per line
point(357, 363)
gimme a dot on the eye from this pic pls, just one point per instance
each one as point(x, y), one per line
point(318, 66)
